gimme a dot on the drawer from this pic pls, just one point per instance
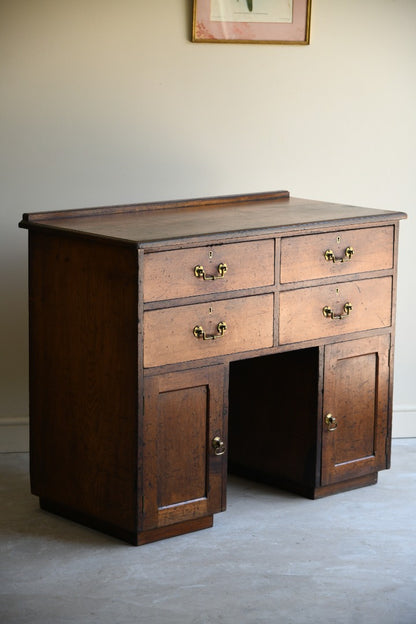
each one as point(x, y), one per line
point(303, 257)
point(301, 315)
point(171, 274)
point(170, 335)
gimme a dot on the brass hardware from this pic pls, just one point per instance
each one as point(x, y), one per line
point(199, 271)
point(331, 422)
point(200, 333)
point(328, 313)
point(218, 446)
point(330, 256)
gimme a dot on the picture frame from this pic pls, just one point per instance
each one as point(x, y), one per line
point(251, 21)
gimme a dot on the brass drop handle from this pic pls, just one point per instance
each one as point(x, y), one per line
point(330, 256)
point(199, 271)
point(200, 333)
point(328, 313)
point(218, 446)
point(331, 422)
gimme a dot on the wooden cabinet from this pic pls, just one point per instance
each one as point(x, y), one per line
point(153, 325)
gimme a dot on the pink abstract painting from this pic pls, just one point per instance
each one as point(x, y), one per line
point(261, 21)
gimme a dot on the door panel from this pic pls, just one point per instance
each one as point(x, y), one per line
point(182, 426)
point(183, 477)
point(356, 395)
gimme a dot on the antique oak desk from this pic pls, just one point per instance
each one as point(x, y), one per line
point(170, 340)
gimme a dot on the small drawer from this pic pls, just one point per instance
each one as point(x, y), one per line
point(336, 253)
point(207, 270)
point(322, 311)
point(207, 329)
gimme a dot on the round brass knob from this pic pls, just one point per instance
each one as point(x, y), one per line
point(218, 446)
point(331, 422)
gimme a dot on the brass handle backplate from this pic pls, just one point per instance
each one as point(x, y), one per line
point(218, 446)
point(199, 271)
point(331, 422)
point(330, 256)
point(328, 313)
point(200, 333)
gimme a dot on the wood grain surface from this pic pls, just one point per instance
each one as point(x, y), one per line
point(303, 257)
point(356, 393)
point(216, 217)
point(301, 311)
point(169, 338)
point(171, 274)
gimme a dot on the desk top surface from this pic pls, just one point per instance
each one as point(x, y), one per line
point(220, 217)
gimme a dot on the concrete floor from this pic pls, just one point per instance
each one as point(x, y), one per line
point(272, 557)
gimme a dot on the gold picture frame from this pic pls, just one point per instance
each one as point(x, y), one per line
point(252, 21)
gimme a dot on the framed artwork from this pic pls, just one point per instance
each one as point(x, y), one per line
point(251, 21)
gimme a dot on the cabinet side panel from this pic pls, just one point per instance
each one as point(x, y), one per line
point(83, 376)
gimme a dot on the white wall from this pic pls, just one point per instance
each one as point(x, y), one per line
point(108, 101)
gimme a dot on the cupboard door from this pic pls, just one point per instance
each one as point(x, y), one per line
point(356, 413)
point(184, 476)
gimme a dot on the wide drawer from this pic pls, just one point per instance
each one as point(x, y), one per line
point(174, 274)
point(197, 331)
point(302, 315)
point(353, 251)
